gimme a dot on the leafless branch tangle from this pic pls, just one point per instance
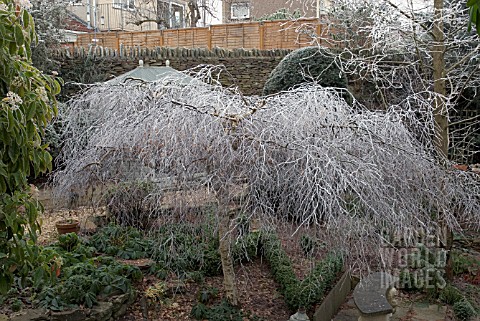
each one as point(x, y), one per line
point(303, 156)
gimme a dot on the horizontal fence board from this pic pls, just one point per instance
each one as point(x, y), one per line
point(249, 35)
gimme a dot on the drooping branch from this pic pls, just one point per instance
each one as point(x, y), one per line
point(304, 155)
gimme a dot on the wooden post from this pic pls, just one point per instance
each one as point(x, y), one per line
point(319, 31)
point(243, 35)
point(209, 38)
point(117, 36)
point(226, 38)
point(162, 40)
point(261, 31)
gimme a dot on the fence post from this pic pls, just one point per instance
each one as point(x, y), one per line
point(319, 31)
point(162, 41)
point(209, 38)
point(261, 31)
point(117, 36)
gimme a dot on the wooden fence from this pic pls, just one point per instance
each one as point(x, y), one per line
point(263, 35)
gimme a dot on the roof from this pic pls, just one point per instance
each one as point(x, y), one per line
point(75, 23)
point(150, 74)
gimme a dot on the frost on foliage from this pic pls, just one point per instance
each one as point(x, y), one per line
point(303, 155)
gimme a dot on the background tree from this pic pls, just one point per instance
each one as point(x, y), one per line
point(27, 106)
point(194, 12)
point(161, 13)
point(49, 17)
point(408, 57)
point(418, 59)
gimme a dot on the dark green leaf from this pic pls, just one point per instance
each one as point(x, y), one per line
point(19, 39)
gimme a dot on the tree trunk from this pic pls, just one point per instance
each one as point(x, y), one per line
point(229, 282)
point(439, 107)
point(194, 13)
point(440, 110)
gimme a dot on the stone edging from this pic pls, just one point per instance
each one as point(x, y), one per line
point(335, 298)
point(112, 309)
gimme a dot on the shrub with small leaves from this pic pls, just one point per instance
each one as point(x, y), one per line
point(247, 248)
point(464, 310)
point(300, 293)
point(305, 65)
point(127, 203)
point(451, 295)
point(281, 14)
point(308, 244)
point(184, 248)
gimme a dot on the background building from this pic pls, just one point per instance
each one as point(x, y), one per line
point(107, 15)
point(246, 10)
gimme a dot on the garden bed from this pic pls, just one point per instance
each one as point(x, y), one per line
point(169, 295)
point(165, 295)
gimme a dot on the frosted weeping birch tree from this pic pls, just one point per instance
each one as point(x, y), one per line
point(303, 155)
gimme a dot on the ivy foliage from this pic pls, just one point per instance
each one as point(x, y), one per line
point(305, 65)
point(26, 107)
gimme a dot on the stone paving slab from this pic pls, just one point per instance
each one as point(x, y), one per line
point(430, 312)
point(406, 311)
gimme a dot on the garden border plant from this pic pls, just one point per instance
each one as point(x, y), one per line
point(300, 294)
point(69, 275)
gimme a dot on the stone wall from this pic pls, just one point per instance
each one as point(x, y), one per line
point(247, 69)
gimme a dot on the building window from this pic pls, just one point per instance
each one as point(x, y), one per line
point(75, 3)
point(177, 16)
point(170, 15)
point(124, 4)
point(240, 10)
